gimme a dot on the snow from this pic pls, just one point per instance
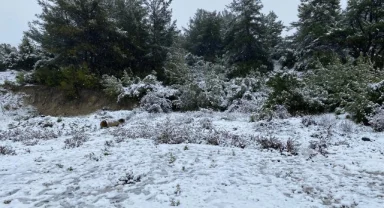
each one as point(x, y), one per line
point(195, 174)
point(9, 75)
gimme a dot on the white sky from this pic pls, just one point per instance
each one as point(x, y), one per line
point(15, 14)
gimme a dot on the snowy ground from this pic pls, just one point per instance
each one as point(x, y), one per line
point(9, 75)
point(47, 173)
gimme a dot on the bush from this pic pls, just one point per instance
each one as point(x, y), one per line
point(76, 141)
point(6, 150)
point(48, 75)
point(348, 86)
point(376, 120)
point(112, 85)
point(290, 146)
point(75, 79)
point(152, 102)
point(287, 91)
point(129, 178)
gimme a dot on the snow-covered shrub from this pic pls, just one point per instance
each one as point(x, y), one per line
point(23, 58)
point(27, 135)
point(176, 69)
point(206, 123)
point(76, 141)
point(269, 143)
point(347, 86)
point(112, 85)
point(129, 178)
point(7, 150)
point(289, 91)
point(347, 126)
point(280, 112)
point(153, 102)
point(290, 146)
point(5, 56)
point(153, 95)
point(376, 92)
point(226, 138)
point(140, 130)
point(246, 95)
point(172, 134)
point(211, 89)
point(308, 121)
point(376, 120)
point(319, 146)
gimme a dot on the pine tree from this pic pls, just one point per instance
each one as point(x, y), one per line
point(365, 19)
point(245, 40)
point(204, 35)
point(162, 31)
point(317, 19)
point(8, 57)
point(28, 54)
point(132, 26)
point(78, 33)
point(5, 51)
point(274, 28)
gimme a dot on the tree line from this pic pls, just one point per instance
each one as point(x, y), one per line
point(112, 36)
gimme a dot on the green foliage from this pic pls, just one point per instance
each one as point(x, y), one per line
point(318, 19)
point(75, 79)
point(78, 31)
point(287, 91)
point(20, 78)
point(204, 35)
point(250, 37)
point(8, 56)
point(162, 32)
point(28, 55)
point(107, 36)
point(346, 86)
point(176, 69)
point(364, 29)
point(112, 85)
point(48, 75)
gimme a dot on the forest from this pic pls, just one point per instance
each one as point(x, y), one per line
point(234, 60)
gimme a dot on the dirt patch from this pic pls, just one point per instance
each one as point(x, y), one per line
point(53, 102)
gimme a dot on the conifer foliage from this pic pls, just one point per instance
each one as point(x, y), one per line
point(317, 20)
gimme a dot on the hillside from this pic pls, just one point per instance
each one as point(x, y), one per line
point(192, 159)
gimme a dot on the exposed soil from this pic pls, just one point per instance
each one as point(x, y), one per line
point(53, 102)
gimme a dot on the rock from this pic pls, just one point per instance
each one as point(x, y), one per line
point(366, 139)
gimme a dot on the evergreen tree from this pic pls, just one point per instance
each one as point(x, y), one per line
point(317, 19)
point(365, 19)
point(162, 31)
point(204, 35)
point(132, 27)
point(176, 69)
point(245, 40)
point(274, 28)
point(28, 54)
point(78, 33)
point(5, 53)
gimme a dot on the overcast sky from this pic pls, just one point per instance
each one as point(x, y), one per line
point(15, 14)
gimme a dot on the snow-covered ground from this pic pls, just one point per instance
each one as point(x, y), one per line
point(220, 165)
point(9, 75)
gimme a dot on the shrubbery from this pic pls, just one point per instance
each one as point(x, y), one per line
point(376, 120)
point(205, 86)
point(336, 87)
point(289, 91)
point(71, 79)
point(347, 86)
point(75, 79)
point(153, 95)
